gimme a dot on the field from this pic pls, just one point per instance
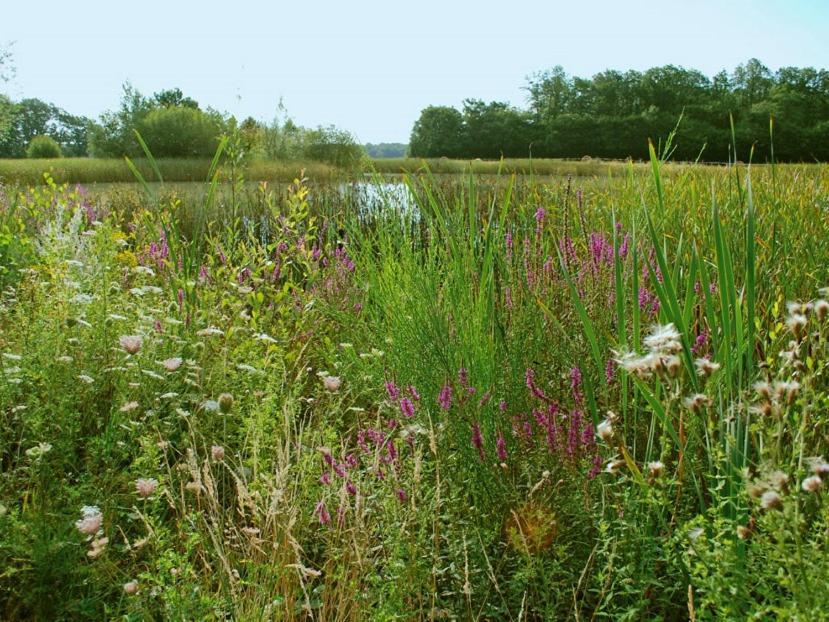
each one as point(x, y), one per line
point(598, 392)
point(96, 171)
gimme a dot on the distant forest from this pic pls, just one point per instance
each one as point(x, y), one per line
point(612, 114)
point(386, 150)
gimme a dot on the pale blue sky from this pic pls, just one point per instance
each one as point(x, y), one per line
point(370, 66)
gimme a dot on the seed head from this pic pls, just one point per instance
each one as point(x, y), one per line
point(605, 430)
point(217, 452)
point(91, 520)
point(770, 500)
point(656, 468)
point(131, 587)
point(812, 484)
point(225, 402)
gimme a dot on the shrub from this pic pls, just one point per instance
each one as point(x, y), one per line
point(180, 132)
point(43, 147)
point(334, 146)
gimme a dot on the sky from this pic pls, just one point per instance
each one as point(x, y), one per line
point(371, 66)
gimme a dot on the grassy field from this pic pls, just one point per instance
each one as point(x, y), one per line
point(90, 170)
point(514, 398)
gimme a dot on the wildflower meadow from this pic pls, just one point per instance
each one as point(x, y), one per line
point(488, 397)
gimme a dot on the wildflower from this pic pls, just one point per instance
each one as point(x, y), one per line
point(787, 389)
point(38, 450)
point(501, 447)
point(332, 383)
point(146, 487)
point(770, 500)
point(91, 520)
point(614, 465)
point(605, 430)
point(225, 402)
point(696, 402)
point(217, 452)
point(656, 468)
point(818, 465)
point(763, 389)
point(86, 378)
point(322, 513)
point(401, 495)
point(130, 343)
point(393, 390)
point(743, 532)
point(413, 392)
point(406, 407)
point(477, 440)
point(210, 331)
point(706, 367)
point(821, 309)
point(663, 338)
point(97, 547)
point(445, 397)
point(172, 364)
point(350, 488)
point(778, 480)
point(640, 366)
point(131, 587)
point(797, 324)
point(672, 365)
point(211, 406)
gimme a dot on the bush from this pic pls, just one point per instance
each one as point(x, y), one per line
point(43, 147)
point(334, 146)
point(181, 132)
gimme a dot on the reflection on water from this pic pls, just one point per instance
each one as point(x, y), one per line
point(373, 196)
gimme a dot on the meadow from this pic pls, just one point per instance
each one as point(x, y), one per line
point(514, 397)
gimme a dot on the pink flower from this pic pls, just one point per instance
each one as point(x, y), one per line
point(146, 487)
point(445, 397)
point(217, 452)
point(130, 343)
point(322, 513)
point(406, 407)
point(332, 383)
point(401, 495)
point(91, 521)
point(131, 587)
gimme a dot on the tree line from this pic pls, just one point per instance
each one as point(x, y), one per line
point(612, 114)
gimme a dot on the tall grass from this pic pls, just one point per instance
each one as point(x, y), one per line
point(484, 397)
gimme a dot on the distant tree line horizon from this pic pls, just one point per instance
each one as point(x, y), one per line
point(614, 113)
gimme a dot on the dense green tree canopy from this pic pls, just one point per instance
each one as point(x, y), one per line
point(613, 114)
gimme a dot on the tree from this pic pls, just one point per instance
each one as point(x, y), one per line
point(33, 117)
point(43, 147)
point(438, 132)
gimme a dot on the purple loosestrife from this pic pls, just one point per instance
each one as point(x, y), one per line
point(413, 392)
point(445, 397)
point(610, 370)
point(392, 390)
point(575, 383)
point(501, 447)
point(322, 513)
point(529, 377)
point(477, 440)
point(539, 222)
point(402, 496)
point(700, 342)
point(407, 408)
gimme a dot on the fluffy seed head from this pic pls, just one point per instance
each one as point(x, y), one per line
point(770, 500)
point(605, 430)
point(91, 520)
point(131, 587)
point(812, 484)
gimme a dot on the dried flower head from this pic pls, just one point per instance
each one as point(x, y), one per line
point(217, 452)
point(332, 383)
point(656, 468)
point(812, 483)
point(663, 339)
point(131, 587)
point(130, 343)
point(770, 500)
point(225, 402)
point(605, 430)
point(706, 367)
point(696, 402)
